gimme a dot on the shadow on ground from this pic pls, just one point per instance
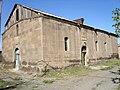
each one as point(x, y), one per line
point(116, 80)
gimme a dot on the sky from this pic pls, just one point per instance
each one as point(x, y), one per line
point(96, 13)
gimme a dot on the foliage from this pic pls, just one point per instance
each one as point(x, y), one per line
point(116, 18)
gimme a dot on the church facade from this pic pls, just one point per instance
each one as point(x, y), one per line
point(35, 40)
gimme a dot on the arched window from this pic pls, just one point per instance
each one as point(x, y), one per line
point(105, 45)
point(17, 30)
point(96, 45)
point(17, 14)
point(66, 43)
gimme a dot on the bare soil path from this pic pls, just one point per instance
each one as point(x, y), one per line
point(98, 80)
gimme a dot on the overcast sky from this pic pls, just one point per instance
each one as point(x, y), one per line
point(97, 13)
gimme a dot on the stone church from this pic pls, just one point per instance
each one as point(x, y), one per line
point(34, 40)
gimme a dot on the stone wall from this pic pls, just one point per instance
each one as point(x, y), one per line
point(28, 41)
point(100, 45)
point(54, 32)
point(1, 57)
point(119, 51)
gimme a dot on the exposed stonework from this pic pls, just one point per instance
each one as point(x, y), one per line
point(44, 41)
point(119, 51)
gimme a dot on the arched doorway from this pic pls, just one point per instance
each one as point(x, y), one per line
point(83, 55)
point(17, 59)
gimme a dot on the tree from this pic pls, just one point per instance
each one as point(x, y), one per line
point(116, 18)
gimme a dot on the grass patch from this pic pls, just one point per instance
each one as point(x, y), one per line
point(118, 88)
point(106, 68)
point(3, 83)
point(48, 81)
point(111, 64)
point(69, 72)
point(82, 70)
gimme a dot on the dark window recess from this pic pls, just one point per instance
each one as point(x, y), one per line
point(21, 11)
point(96, 45)
point(17, 15)
point(17, 30)
point(31, 13)
point(105, 46)
point(66, 43)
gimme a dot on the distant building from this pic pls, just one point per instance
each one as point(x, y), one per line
point(35, 40)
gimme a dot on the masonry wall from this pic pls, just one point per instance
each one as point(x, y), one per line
point(28, 42)
point(28, 39)
point(119, 51)
point(54, 32)
point(106, 47)
point(114, 43)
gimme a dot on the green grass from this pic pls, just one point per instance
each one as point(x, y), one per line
point(107, 68)
point(3, 83)
point(111, 64)
point(82, 70)
point(118, 88)
point(69, 71)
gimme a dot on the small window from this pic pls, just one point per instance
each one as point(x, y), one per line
point(17, 15)
point(17, 30)
point(21, 11)
point(96, 45)
point(105, 45)
point(66, 43)
point(31, 13)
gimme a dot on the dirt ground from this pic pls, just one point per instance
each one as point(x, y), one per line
point(97, 80)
